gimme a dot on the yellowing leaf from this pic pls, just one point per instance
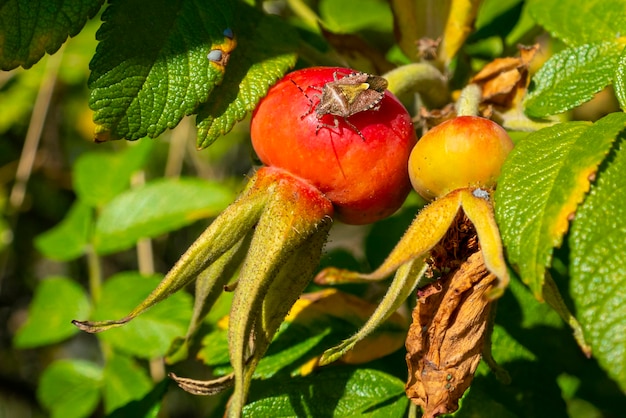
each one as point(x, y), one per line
point(544, 179)
point(598, 272)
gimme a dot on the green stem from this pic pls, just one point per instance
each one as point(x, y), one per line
point(468, 102)
point(304, 12)
point(422, 78)
point(311, 55)
point(95, 274)
point(33, 135)
point(553, 297)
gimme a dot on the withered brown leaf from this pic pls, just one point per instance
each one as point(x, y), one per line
point(446, 339)
point(504, 80)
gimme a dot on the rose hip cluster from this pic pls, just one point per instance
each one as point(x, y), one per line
point(336, 145)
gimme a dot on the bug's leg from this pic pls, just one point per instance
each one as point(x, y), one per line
point(354, 128)
point(335, 126)
point(321, 125)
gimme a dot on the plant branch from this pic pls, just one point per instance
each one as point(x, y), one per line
point(35, 128)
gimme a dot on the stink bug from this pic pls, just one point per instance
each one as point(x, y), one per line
point(346, 96)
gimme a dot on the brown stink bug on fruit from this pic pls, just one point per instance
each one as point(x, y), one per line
point(343, 97)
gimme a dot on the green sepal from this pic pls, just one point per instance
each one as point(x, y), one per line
point(408, 257)
point(422, 78)
point(407, 278)
point(225, 231)
point(282, 293)
point(480, 211)
point(284, 250)
point(435, 218)
point(205, 387)
point(209, 286)
point(291, 221)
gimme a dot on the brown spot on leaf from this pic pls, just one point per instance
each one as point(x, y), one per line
point(592, 176)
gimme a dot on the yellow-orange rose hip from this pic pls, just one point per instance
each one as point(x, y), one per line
point(467, 151)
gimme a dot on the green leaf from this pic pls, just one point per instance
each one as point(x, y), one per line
point(151, 66)
point(544, 179)
point(214, 351)
point(99, 176)
point(524, 25)
point(70, 388)
point(338, 392)
point(572, 77)
point(347, 16)
point(68, 240)
point(291, 347)
point(265, 52)
point(150, 334)
point(620, 80)
point(146, 407)
point(580, 22)
point(56, 302)
point(478, 402)
point(492, 10)
point(21, 92)
point(124, 381)
point(6, 234)
point(31, 28)
point(158, 207)
point(598, 273)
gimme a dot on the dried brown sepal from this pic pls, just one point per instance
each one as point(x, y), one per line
point(454, 248)
point(446, 338)
point(504, 80)
point(205, 387)
point(427, 48)
point(427, 119)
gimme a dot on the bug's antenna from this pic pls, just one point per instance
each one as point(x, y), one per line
point(307, 97)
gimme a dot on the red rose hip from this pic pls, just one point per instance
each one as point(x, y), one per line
point(359, 162)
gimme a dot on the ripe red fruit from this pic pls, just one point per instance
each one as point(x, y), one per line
point(467, 151)
point(366, 178)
